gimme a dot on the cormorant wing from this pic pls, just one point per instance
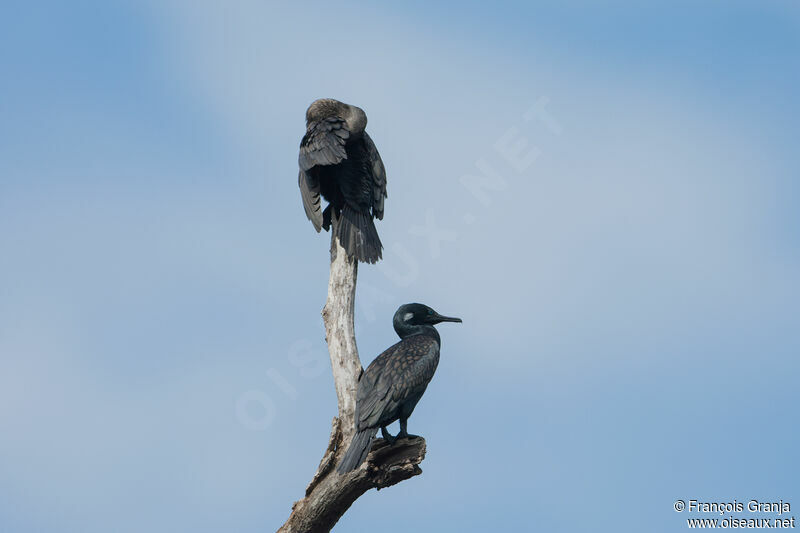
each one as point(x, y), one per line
point(378, 177)
point(323, 144)
point(401, 372)
point(309, 191)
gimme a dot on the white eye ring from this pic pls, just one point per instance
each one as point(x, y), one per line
point(408, 316)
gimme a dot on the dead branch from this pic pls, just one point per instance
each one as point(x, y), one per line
point(329, 494)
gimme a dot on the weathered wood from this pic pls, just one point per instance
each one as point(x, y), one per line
point(330, 494)
point(338, 316)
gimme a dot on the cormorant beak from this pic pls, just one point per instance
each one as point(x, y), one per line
point(440, 318)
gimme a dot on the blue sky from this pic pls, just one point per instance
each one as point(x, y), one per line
point(628, 275)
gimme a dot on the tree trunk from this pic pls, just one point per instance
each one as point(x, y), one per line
point(330, 494)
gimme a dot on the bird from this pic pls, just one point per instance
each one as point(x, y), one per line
point(339, 161)
point(394, 382)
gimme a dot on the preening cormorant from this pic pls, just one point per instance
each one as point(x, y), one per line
point(339, 161)
point(391, 386)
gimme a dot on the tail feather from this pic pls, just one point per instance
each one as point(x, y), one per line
point(357, 451)
point(358, 236)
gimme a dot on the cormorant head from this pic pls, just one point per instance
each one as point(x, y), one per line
point(420, 315)
point(328, 107)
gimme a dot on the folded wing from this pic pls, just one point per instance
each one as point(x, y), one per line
point(398, 374)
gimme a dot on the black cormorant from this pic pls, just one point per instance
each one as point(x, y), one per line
point(394, 382)
point(339, 160)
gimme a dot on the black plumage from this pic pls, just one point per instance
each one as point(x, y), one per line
point(339, 161)
point(391, 386)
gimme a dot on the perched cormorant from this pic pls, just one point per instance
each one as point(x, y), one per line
point(394, 382)
point(339, 160)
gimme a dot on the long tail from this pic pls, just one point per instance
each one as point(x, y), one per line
point(358, 236)
point(357, 451)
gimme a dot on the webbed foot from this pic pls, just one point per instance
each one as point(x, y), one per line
point(326, 218)
point(388, 437)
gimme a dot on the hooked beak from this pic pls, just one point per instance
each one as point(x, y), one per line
point(440, 318)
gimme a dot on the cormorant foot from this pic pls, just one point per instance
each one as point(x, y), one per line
point(326, 218)
point(405, 435)
point(385, 434)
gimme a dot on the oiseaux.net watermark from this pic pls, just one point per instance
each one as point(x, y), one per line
point(510, 157)
point(750, 514)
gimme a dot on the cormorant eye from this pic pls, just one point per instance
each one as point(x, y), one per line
point(430, 311)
